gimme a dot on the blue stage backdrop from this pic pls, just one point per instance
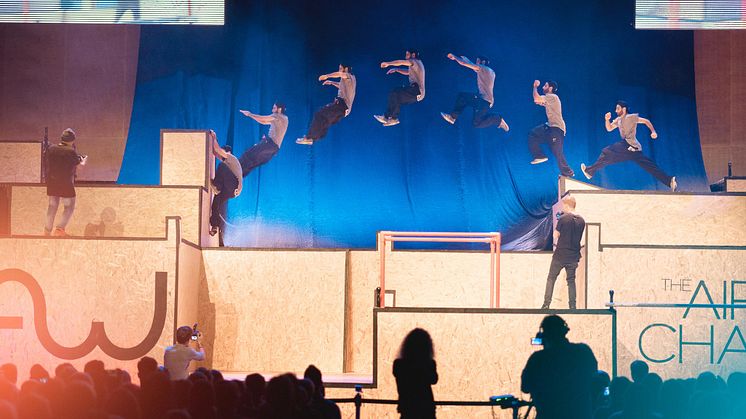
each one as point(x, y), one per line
point(422, 174)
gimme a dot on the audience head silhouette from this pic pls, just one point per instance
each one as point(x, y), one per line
point(417, 345)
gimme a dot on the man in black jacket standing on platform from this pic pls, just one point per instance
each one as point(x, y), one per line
point(62, 160)
point(567, 235)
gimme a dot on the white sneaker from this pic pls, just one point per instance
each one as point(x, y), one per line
point(387, 122)
point(538, 161)
point(504, 126)
point(582, 168)
point(674, 185)
point(451, 120)
point(304, 141)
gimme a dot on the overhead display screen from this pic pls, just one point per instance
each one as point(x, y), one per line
point(150, 12)
point(712, 14)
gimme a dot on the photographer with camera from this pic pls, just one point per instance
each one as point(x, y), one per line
point(177, 357)
point(560, 376)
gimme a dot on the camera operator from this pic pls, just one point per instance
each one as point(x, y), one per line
point(560, 376)
point(177, 357)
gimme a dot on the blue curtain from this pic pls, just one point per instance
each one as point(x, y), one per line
point(422, 174)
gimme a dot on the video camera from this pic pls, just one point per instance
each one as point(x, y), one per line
point(196, 334)
point(508, 401)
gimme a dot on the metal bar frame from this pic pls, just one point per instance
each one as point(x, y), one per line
point(492, 238)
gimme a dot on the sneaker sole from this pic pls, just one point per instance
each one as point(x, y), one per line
point(540, 161)
point(445, 118)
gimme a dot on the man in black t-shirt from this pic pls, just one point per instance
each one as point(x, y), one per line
point(567, 235)
point(62, 159)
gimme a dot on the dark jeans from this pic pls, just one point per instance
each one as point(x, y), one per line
point(544, 134)
point(258, 154)
point(554, 270)
point(619, 152)
point(482, 119)
point(227, 183)
point(401, 96)
point(325, 118)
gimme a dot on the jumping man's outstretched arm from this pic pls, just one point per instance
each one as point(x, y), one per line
point(396, 63)
point(648, 124)
point(464, 62)
point(334, 75)
point(262, 119)
point(538, 99)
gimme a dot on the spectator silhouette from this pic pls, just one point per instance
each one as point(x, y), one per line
point(328, 409)
point(281, 398)
point(156, 395)
point(202, 400)
point(638, 404)
point(227, 399)
point(560, 376)
point(122, 403)
point(145, 367)
point(415, 372)
point(672, 393)
point(33, 406)
point(639, 370)
point(600, 383)
point(38, 373)
point(254, 395)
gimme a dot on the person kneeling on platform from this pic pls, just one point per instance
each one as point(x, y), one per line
point(177, 357)
point(62, 161)
point(567, 236)
point(227, 184)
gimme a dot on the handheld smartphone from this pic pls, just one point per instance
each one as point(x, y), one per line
point(536, 341)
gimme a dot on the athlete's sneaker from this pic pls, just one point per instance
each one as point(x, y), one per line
point(544, 307)
point(451, 120)
point(59, 232)
point(674, 185)
point(539, 160)
point(387, 122)
point(582, 168)
point(304, 141)
point(213, 231)
point(504, 126)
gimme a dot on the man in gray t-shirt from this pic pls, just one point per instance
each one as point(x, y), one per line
point(335, 111)
point(628, 148)
point(269, 145)
point(552, 132)
point(414, 92)
point(481, 101)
